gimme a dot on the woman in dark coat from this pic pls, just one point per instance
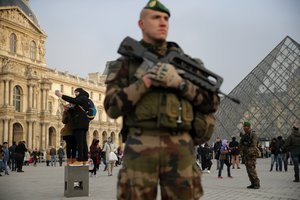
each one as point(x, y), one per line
point(79, 122)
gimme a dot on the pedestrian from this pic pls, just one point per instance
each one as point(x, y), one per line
point(12, 156)
point(235, 153)
point(119, 155)
point(157, 107)
point(67, 134)
point(61, 154)
point(94, 155)
point(91, 166)
point(292, 144)
point(110, 148)
point(282, 154)
point(206, 156)
point(224, 159)
point(35, 156)
point(217, 148)
point(103, 155)
point(20, 154)
point(53, 156)
point(6, 157)
point(80, 122)
point(248, 146)
point(48, 157)
point(274, 153)
point(1, 160)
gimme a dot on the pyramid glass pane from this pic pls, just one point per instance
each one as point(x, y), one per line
point(269, 96)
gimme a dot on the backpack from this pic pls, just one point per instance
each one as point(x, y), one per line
point(91, 112)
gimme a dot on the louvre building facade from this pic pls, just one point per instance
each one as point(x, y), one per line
point(29, 110)
point(269, 95)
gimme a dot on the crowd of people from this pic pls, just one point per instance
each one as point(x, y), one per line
point(283, 152)
point(13, 158)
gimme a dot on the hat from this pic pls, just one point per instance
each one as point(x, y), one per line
point(247, 123)
point(78, 90)
point(156, 5)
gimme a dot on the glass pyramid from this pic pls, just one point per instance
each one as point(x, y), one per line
point(269, 95)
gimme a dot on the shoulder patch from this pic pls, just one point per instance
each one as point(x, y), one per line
point(113, 70)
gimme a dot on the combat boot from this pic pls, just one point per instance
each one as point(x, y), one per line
point(256, 186)
point(250, 186)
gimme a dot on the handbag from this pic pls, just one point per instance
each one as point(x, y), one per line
point(112, 156)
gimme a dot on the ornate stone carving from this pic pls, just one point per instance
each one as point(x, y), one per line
point(29, 71)
point(3, 37)
point(24, 45)
point(42, 50)
point(6, 65)
point(17, 17)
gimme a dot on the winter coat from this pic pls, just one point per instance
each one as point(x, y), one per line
point(79, 118)
point(292, 143)
point(94, 149)
point(224, 152)
point(66, 119)
point(234, 146)
point(21, 149)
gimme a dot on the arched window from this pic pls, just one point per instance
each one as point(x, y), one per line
point(32, 50)
point(13, 43)
point(17, 98)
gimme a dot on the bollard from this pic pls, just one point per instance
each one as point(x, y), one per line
point(76, 181)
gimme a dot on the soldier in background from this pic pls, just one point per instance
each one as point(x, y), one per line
point(248, 146)
point(157, 108)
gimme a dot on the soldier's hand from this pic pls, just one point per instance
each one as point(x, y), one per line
point(165, 75)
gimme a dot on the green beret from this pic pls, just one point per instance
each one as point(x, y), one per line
point(156, 5)
point(247, 123)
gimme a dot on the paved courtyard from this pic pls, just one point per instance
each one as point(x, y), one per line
point(43, 183)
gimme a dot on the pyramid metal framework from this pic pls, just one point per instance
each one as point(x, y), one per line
point(269, 95)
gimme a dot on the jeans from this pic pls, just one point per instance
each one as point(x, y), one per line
point(282, 158)
point(5, 166)
point(296, 158)
point(1, 165)
point(13, 164)
point(227, 163)
point(274, 159)
point(53, 160)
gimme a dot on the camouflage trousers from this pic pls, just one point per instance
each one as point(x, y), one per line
point(250, 163)
point(165, 160)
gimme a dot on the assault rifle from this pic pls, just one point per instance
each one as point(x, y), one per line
point(193, 71)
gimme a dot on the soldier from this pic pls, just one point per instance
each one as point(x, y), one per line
point(157, 109)
point(249, 150)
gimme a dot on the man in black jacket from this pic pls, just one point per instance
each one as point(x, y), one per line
point(235, 153)
point(20, 153)
point(79, 121)
point(292, 143)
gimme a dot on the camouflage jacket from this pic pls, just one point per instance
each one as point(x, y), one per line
point(125, 91)
point(248, 144)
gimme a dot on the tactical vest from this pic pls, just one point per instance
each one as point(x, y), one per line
point(159, 107)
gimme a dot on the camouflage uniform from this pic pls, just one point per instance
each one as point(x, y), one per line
point(249, 150)
point(159, 147)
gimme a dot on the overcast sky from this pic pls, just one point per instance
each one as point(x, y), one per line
point(230, 36)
